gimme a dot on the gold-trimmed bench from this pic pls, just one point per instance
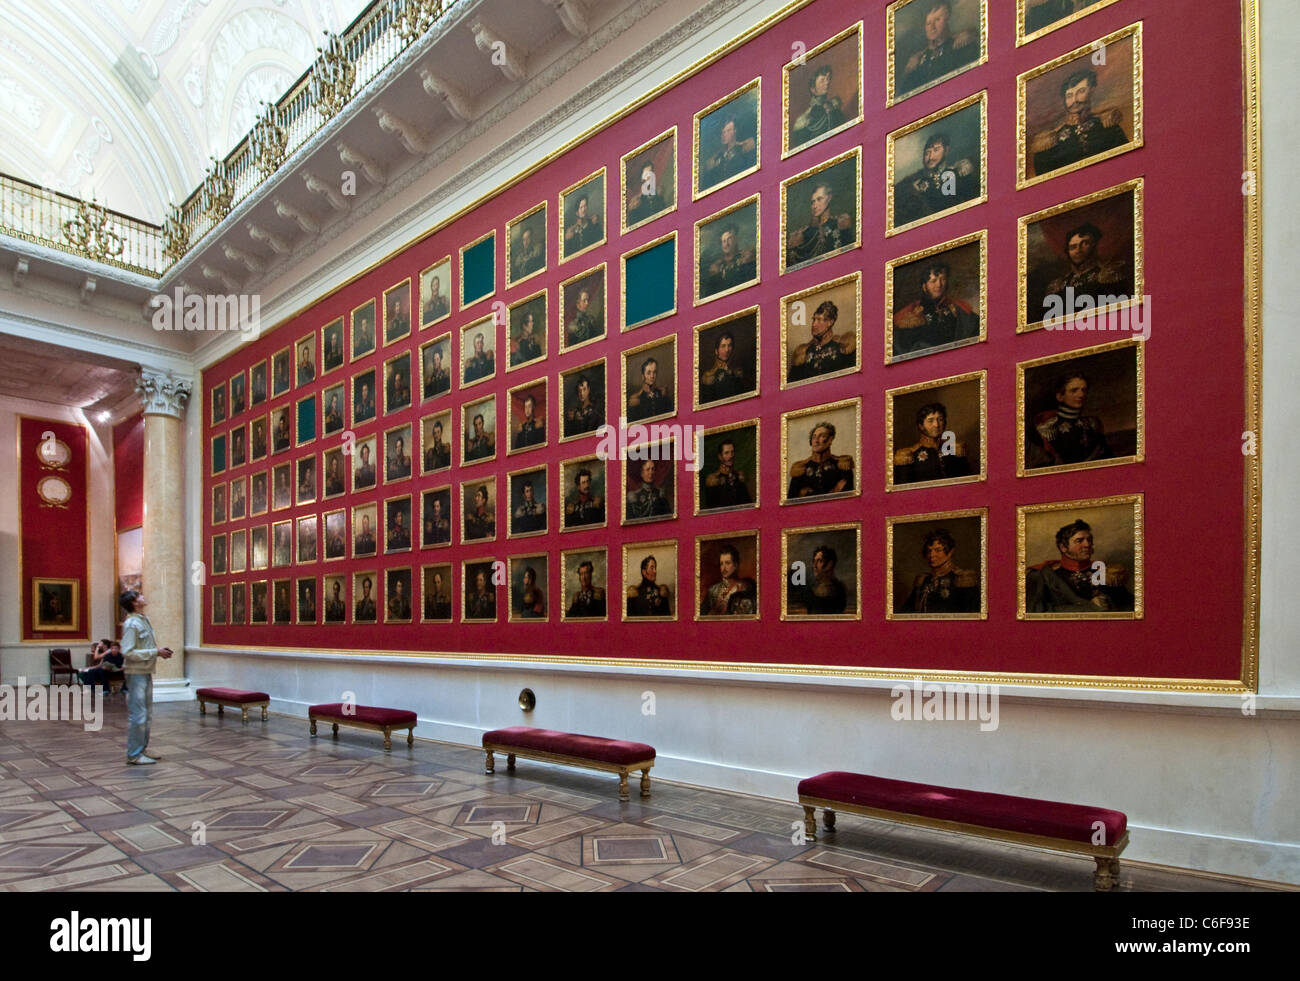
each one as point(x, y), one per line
point(571, 749)
point(383, 720)
point(1073, 828)
point(232, 698)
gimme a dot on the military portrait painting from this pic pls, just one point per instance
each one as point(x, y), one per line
point(528, 414)
point(582, 309)
point(365, 597)
point(821, 331)
point(727, 144)
point(583, 492)
point(334, 464)
point(307, 607)
point(649, 175)
point(582, 211)
point(478, 424)
point(435, 518)
point(936, 299)
point(218, 555)
point(728, 476)
point(529, 503)
point(582, 402)
point(281, 430)
point(238, 394)
point(726, 576)
point(822, 579)
point(333, 350)
point(258, 612)
point(365, 530)
point(819, 212)
point(1081, 108)
point(219, 403)
point(281, 544)
point(436, 593)
point(726, 251)
point(261, 494)
point(726, 359)
point(334, 405)
point(478, 507)
point(398, 524)
point(365, 464)
point(820, 449)
point(478, 361)
point(397, 596)
point(283, 600)
point(363, 330)
point(306, 534)
point(436, 439)
point(260, 546)
point(397, 311)
point(435, 368)
point(937, 165)
point(219, 504)
point(529, 588)
point(239, 603)
point(397, 382)
point(220, 604)
point(435, 293)
point(934, 40)
point(305, 359)
point(526, 245)
point(1082, 409)
point(334, 595)
point(364, 397)
point(935, 432)
point(650, 483)
point(823, 91)
point(238, 498)
point(281, 486)
point(650, 588)
point(257, 382)
point(528, 330)
point(935, 566)
point(336, 535)
point(281, 372)
point(1083, 258)
point(1038, 17)
point(1081, 560)
point(584, 578)
point(649, 386)
point(238, 446)
point(398, 450)
point(305, 486)
point(479, 598)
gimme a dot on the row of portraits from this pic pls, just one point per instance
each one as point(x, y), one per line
point(1076, 560)
point(1078, 410)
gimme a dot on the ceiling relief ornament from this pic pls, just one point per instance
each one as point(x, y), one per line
point(162, 393)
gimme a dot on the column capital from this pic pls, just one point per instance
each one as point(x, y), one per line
point(162, 393)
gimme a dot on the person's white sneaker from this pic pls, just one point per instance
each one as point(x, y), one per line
point(141, 760)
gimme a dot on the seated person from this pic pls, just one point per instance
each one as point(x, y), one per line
point(106, 664)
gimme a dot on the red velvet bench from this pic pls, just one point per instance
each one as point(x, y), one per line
point(383, 720)
point(1074, 828)
point(235, 698)
point(591, 752)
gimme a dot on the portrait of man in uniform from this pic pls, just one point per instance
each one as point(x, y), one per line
point(435, 293)
point(219, 404)
point(937, 566)
point(650, 578)
point(219, 504)
point(336, 534)
point(650, 181)
point(821, 331)
point(281, 372)
point(1083, 409)
point(397, 456)
point(933, 41)
point(935, 300)
point(335, 473)
point(238, 603)
point(649, 376)
point(936, 165)
point(726, 251)
point(528, 416)
point(363, 472)
point(821, 572)
point(282, 544)
point(306, 491)
point(363, 397)
point(238, 499)
point(306, 600)
point(437, 593)
point(526, 245)
point(336, 604)
point(363, 330)
point(823, 91)
point(365, 609)
point(307, 541)
point(218, 555)
point(527, 594)
point(821, 212)
point(832, 436)
point(259, 612)
point(365, 520)
point(1087, 567)
point(257, 384)
point(728, 476)
point(649, 483)
point(477, 353)
point(238, 447)
point(479, 501)
point(220, 605)
point(1076, 111)
point(583, 572)
point(584, 309)
point(397, 524)
point(935, 431)
point(397, 382)
point(306, 360)
point(528, 503)
point(583, 209)
point(583, 401)
point(260, 544)
point(480, 592)
point(528, 331)
point(726, 355)
point(436, 442)
point(1046, 15)
point(583, 482)
point(726, 576)
point(332, 349)
point(261, 502)
point(435, 506)
point(283, 601)
point(435, 360)
point(479, 424)
point(334, 400)
point(281, 431)
point(726, 140)
point(397, 312)
point(238, 394)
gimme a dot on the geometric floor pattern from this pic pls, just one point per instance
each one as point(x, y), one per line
point(264, 807)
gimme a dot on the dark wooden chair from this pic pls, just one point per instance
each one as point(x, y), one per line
point(61, 665)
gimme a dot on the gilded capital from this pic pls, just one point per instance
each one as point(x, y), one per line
point(162, 393)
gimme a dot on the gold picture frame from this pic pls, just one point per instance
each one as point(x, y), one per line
point(856, 593)
point(837, 414)
point(802, 61)
point(892, 180)
point(790, 183)
point(543, 244)
point(891, 451)
point(629, 159)
point(981, 239)
point(697, 174)
point(631, 593)
point(787, 356)
point(935, 518)
point(697, 275)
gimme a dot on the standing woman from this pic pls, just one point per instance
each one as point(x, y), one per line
point(140, 652)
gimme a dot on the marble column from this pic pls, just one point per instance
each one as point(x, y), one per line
point(165, 576)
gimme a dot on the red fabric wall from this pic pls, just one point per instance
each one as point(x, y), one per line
point(128, 471)
point(1192, 162)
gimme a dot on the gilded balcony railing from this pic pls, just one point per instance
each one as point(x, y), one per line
point(346, 63)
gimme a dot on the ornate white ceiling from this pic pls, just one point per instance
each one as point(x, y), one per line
point(127, 99)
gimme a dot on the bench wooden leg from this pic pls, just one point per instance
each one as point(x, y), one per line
point(828, 819)
point(336, 729)
point(1106, 877)
point(809, 822)
point(245, 712)
point(221, 709)
point(410, 736)
point(489, 766)
point(510, 762)
point(203, 707)
point(313, 727)
point(645, 782)
point(263, 713)
point(623, 794)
